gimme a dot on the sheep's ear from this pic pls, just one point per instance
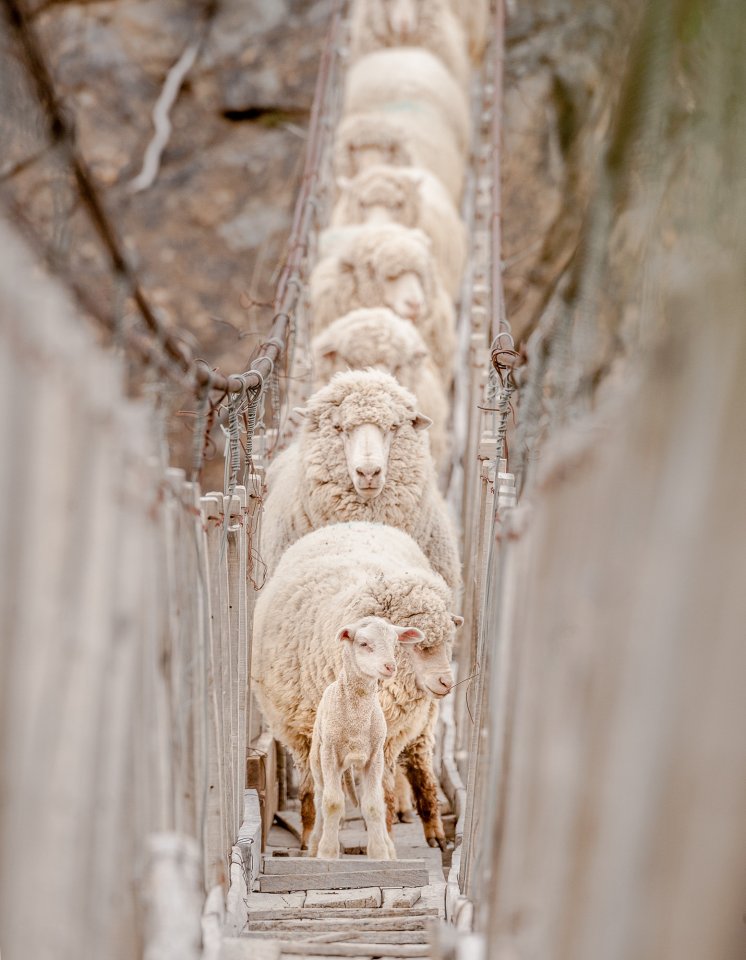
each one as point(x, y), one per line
point(329, 353)
point(347, 633)
point(421, 422)
point(457, 620)
point(410, 635)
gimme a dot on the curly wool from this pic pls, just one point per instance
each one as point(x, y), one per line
point(309, 483)
point(438, 30)
point(380, 339)
point(354, 279)
point(413, 198)
point(408, 80)
point(401, 140)
point(329, 578)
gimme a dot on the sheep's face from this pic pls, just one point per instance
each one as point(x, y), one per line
point(404, 293)
point(366, 155)
point(382, 198)
point(367, 444)
point(402, 18)
point(432, 664)
point(373, 642)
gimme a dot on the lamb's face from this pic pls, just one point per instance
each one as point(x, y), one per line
point(373, 643)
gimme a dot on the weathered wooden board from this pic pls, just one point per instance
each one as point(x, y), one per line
point(285, 866)
point(304, 948)
point(310, 913)
point(327, 924)
point(363, 897)
point(344, 879)
point(395, 897)
point(346, 935)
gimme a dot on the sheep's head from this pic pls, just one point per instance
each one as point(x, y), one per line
point(370, 337)
point(359, 416)
point(372, 645)
point(412, 602)
point(365, 140)
point(382, 194)
point(396, 19)
point(401, 269)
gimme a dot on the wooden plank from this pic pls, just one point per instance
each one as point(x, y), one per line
point(284, 866)
point(327, 924)
point(238, 948)
point(401, 898)
point(362, 897)
point(349, 913)
point(347, 935)
point(344, 880)
point(356, 949)
point(261, 775)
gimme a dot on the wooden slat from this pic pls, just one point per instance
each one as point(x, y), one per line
point(349, 913)
point(346, 935)
point(344, 880)
point(307, 865)
point(328, 924)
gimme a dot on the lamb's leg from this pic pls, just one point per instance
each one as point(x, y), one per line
point(417, 759)
point(373, 807)
point(332, 805)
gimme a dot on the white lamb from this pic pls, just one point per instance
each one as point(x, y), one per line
point(360, 455)
point(388, 266)
point(430, 24)
point(408, 81)
point(401, 139)
point(379, 339)
point(412, 197)
point(339, 575)
point(349, 734)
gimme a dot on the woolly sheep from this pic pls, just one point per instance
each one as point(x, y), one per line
point(378, 338)
point(388, 266)
point(349, 733)
point(360, 454)
point(408, 81)
point(414, 198)
point(398, 139)
point(474, 15)
point(331, 577)
point(430, 24)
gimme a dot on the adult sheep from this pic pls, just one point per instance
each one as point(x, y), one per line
point(408, 81)
point(388, 266)
point(360, 454)
point(474, 15)
point(413, 197)
point(430, 24)
point(401, 139)
point(379, 339)
point(330, 578)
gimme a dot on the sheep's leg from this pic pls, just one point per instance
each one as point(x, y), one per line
point(318, 785)
point(372, 805)
point(307, 806)
point(417, 759)
point(389, 792)
point(404, 802)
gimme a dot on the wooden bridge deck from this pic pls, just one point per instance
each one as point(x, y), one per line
point(351, 907)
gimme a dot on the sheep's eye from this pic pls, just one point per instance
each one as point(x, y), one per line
point(338, 427)
point(364, 645)
point(391, 279)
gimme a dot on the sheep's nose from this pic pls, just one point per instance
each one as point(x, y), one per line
point(368, 472)
point(390, 668)
point(446, 683)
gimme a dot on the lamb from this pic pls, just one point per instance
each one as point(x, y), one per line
point(378, 338)
point(408, 81)
point(360, 455)
point(473, 15)
point(388, 266)
point(409, 139)
point(350, 730)
point(335, 576)
point(414, 198)
point(430, 24)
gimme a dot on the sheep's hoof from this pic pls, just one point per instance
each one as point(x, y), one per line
point(406, 816)
point(432, 842)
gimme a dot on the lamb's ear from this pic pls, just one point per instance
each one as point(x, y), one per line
point(457, 620)
point(347, 633)
point(410, 635)
point(421, 422)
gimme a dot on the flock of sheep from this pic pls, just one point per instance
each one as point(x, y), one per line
point(354, 629)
